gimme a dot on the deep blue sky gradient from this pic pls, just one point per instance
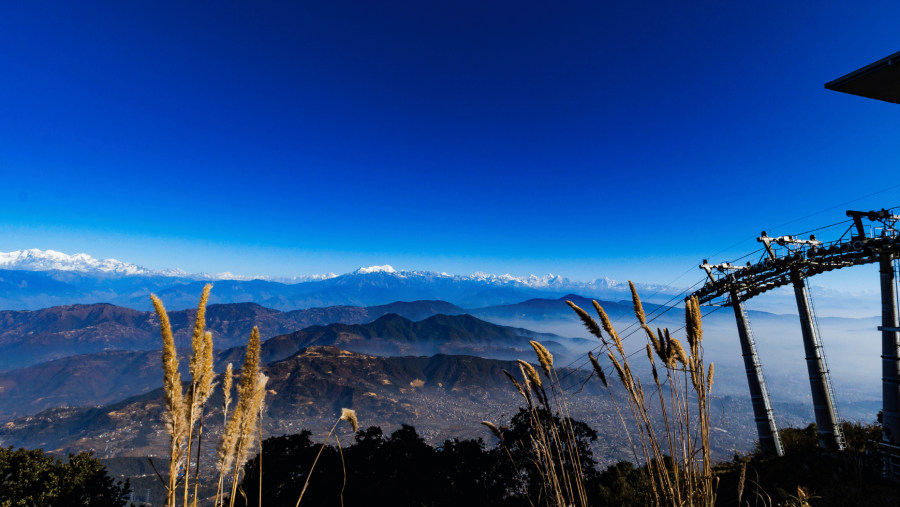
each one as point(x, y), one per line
point(583, 138)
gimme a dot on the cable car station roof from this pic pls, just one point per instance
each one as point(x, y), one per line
point(879, 80)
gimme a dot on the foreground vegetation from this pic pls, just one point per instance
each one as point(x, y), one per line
point(401, 469)
point(32, 478)
point(541, 457)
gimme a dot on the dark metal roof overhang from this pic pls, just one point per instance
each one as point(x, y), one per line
point(879, 80)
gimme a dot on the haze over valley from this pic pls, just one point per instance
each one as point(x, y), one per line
point(62, 365)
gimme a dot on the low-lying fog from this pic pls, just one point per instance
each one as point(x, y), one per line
point(852, 347)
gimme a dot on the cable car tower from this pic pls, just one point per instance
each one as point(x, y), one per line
point(790, 260)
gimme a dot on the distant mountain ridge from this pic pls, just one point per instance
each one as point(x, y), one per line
point(439, 391)
point(110, 375)
point(393, 335)
point(32, 279)
point(443, 396)
point(30, 337)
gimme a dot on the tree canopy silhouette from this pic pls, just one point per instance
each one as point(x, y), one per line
point(30, 477)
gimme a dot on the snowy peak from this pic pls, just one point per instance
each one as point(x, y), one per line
point(48, 260)
point(375, 269)
point(52, 260)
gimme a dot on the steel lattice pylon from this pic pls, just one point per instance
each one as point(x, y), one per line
point(789, 260)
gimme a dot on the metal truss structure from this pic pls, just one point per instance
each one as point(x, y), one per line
point(872, 238)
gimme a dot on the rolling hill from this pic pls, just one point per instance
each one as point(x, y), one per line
point(30, 337)
point(108, 376)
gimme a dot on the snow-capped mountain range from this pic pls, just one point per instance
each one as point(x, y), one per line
point(34, 279)
point(31, 279)
point(82, 263)
point(49, 260)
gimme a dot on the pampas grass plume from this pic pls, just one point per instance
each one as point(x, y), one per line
point(227, 380)
point(171, 375)
point(349, 415)
point(494, 429)
point(530, 373)
point(587, 320)
point(544, 357)
point(638, 307)
point(598, 369)
point(619, 369)
point(678, 351)
point(608, 327)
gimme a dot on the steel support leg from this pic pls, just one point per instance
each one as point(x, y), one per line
point(830, 435)
point(769, 440)
point(890, 358)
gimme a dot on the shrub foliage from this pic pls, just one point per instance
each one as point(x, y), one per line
point(33, 478)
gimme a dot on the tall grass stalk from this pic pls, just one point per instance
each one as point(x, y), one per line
point(201, 369)
point(241, 428)
point(346, 415)
point(675, 445)
point(553, 445)
point(183, 409)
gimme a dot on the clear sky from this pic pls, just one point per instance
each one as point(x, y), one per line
point(587, 139)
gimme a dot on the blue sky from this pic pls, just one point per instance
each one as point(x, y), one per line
point(586, 139)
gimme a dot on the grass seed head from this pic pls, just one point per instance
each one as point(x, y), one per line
point(544, 357)
point(494, 429)
point(678, 351)
point(597, 369)
point(587, 320)
point(608, 327)
point(197, 337)
point(638, 307)
point(515, 383)
point(661, 345)
point(619, 370)
point(349, 415)
point(171, 376)
point(530, 373)
point(693, 324)
point(227, 380)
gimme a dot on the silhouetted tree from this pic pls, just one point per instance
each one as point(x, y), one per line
point(30, 477)
point(623, 485)
point(518, 439)
point(402, 469)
